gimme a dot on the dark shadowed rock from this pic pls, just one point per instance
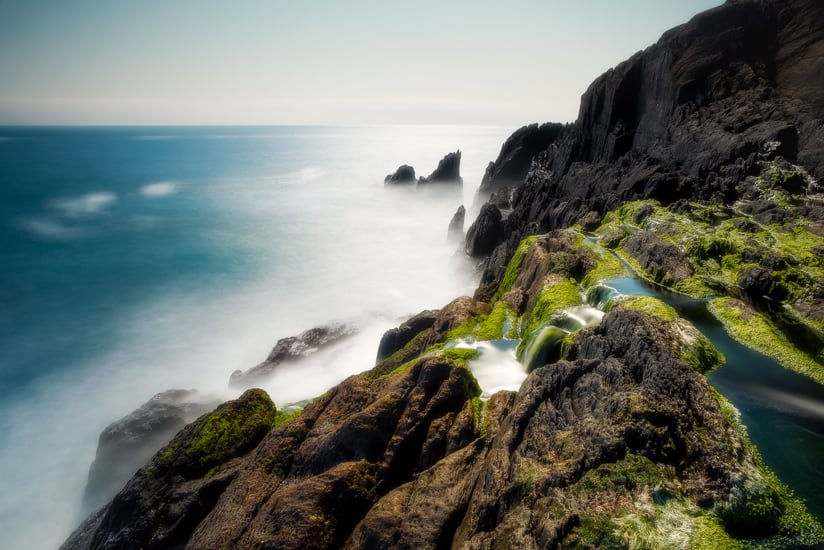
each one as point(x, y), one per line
point(290, 349)
point(515, 159)
point(126, 445)
point(448, 170)
point(396, 338)
point(758, 285)
point(456, 225)
point(486, 233)
point(405, 174)
point(664, 261)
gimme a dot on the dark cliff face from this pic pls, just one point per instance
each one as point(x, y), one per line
point(689, 117)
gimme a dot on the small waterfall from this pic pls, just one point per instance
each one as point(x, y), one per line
point(546, 344)
point(601, 294)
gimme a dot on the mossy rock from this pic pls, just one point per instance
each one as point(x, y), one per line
point(231, 430)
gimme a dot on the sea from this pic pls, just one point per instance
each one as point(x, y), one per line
point(139, 259)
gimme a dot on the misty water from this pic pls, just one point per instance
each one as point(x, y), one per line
point(782, 410)
point(134, 260)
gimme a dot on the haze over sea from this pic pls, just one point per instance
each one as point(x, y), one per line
point(134, 260)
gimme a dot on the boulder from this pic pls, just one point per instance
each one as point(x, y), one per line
point(411, 459)
point(405, 174)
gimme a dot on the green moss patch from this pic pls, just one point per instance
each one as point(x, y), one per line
point(647, 304)
point(608, 267)
point(484, 328)
point(554, 297)
point(232, 429)
point(755, 331)
point(514, 266)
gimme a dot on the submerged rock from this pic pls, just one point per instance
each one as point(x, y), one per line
point(127, 444)
point(405, 174)
point(290, 349)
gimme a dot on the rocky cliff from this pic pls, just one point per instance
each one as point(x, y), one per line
point(695, 165)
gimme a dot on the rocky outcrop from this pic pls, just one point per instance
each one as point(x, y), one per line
point(691, 117)
point(448, 170)
point(408, 460)
point(515, 159)
point(455, 233)
point(664, 261)
point(162, 504)
point(486, 232)
point(292, 348)
point(405, 174)
point(127, 444)
point(395, 339)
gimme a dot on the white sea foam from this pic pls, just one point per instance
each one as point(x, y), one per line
point(84, 205)
point(49, 229)
point(159, 189)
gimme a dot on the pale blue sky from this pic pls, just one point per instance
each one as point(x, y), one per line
point(315, 61)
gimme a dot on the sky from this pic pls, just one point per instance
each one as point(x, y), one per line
point(344, 62)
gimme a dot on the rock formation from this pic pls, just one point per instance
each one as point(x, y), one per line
point(448, 170)
point(455, 233)
point(405, 174)
point(486, 233)
point(292, 348)
point(515, 159)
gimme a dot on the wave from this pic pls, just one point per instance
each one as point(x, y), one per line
point(51, 229)
point(84, 205)
point(159, 189)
